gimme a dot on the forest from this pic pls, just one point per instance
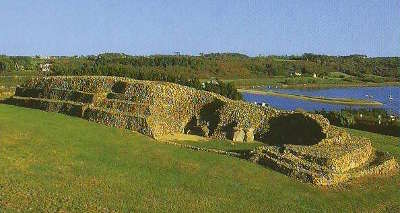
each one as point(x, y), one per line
point(190, 70)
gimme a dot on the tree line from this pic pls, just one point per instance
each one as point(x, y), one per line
point(372, 120)
point(187, 70)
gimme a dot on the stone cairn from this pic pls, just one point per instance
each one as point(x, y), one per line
point(301, 145)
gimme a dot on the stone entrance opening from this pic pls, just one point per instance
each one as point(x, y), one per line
point(296, 129)
point(205, 123)
point(119, 87)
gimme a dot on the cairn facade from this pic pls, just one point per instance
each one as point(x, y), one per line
point(301, 145)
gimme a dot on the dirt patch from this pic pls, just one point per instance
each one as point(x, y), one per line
point(183, 137)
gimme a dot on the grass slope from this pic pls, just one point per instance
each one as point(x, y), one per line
point(54, 162)
point(305, 82)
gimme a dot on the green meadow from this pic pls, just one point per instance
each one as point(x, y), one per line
point(51, 162)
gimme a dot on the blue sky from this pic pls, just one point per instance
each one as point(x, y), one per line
point(334, 27)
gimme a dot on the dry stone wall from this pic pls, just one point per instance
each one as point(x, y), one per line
point(162, 108)
point(301, 145)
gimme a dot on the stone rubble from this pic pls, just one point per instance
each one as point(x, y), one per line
point(299, 144)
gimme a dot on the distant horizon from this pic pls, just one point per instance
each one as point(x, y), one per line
point(252, 27)
point(172, 54)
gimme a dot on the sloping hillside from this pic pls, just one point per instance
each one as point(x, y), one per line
point(54, 162)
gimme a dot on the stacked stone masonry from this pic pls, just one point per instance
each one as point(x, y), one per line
point(301, 145)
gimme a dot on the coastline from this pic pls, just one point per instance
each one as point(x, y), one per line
point(350, 85)
point(341, 101)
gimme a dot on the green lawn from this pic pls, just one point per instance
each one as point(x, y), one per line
point(51, 162)
point(224, 145)
point(339, 75)
point(333, 80)
point(288, 81)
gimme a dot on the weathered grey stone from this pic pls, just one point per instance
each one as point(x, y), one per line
point(205, 130)
point(317, 152)
point(249, 135)
point(238, 135)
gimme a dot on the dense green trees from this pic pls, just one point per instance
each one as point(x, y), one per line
point(16, 63)
point(158, 68)
point(6, 64)
point(233, 66)
point(374, 120)
point(186, 69)
point(220, 65)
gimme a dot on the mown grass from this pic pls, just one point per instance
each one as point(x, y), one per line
point(51, 162)
point(224, 145)
point(339, 75)
point(309, 82)
point(282, 81)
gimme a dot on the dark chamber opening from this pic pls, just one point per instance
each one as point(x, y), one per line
point(295, 129)
point(209, 116)
point(119, 87)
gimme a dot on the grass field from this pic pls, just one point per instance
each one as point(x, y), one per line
point(334, 80)
point(224, 145)
point(51, 162)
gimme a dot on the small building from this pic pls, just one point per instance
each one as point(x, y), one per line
point(213, 80)
point(45, 67)
point(294, 73)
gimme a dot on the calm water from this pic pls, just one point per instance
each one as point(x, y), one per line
point(380, 94)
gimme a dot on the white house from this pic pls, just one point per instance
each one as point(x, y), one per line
point(293, 73)
point(45, 67)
